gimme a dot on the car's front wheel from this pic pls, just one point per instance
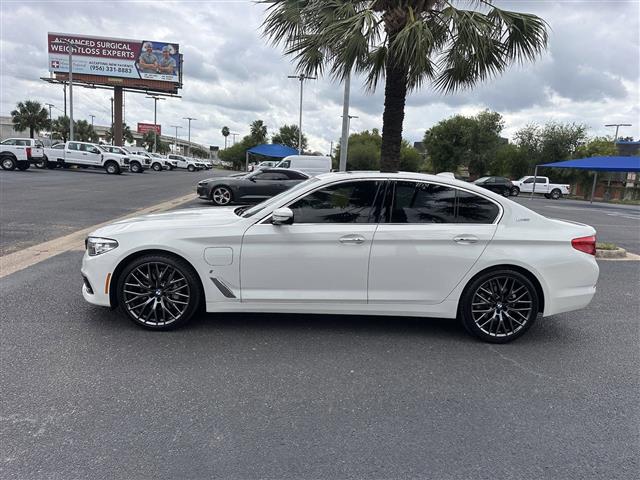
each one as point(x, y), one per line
point(112, 168)
point(515, 191)
point(499, 306)
point(135, 167)
point(8, 163)
point(506, 192)
point(556, 194)
point(221, 196)
point(159, 292)
point(191, 168)
point(157, 167)
point(42, 163)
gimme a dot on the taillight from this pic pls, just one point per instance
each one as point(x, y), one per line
point(585, 244)
point(28, 149)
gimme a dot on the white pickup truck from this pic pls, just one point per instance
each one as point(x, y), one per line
point(543, 187)
point(85, 155)
point(20, 153)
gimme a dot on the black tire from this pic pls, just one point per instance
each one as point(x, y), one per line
point(112, 168)
point(156, 167)
point(506, 192)
point(42, 163)
point(499, 306)
point(191, 168)
point(22, 166)
point(556, 194)
point(146, 280)
point(52, 165)
point(135, 167)
point(221, 195)
point(8, 162)
point(515, 191)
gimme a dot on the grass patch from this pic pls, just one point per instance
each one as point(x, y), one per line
point(606, 246)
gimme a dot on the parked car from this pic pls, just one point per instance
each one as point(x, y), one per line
point(161, 162)
point(309, 164)
point(86, 155)
point(499, 185)
point(543, 187)
point(20, 153)
point(266, 164)
point(137, 163)
point(184, 162)
point(361, 243)
point(251, 187)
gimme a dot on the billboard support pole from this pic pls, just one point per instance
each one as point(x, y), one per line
point(117, 116)
point(70, 48)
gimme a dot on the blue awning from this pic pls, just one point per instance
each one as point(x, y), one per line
point(273, 150)
point(600, 164)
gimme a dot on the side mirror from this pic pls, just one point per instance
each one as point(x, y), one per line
point(282, 216)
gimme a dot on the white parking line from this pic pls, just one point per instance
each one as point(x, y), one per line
point(74, 241)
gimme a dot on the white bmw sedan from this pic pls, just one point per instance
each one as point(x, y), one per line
point(349, 243)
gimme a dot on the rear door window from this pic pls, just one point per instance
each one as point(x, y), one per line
point(472, 208)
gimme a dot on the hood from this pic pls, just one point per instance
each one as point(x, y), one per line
point(186, 218)
point(226, 178)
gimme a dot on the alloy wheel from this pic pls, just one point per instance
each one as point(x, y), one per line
point(7, 164)
point(156, 294)
point(502, 306)
point(221, 196)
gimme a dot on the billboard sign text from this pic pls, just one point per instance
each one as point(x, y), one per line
point(149, 127)
point(112, 57)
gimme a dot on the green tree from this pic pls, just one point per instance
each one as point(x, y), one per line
point(83, 131)
point(288, 135)
point(408, 43)
point(30, 115)
point(148, 139)
point(364, 152)
point(464, 141)
point(60, 128)
point(258, 132)
point(225, 133)
point(163, 148)
point(127, 135)
point(509, 161)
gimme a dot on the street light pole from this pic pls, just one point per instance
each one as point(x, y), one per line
point(155, 121)
point(70, 48)
point(175, 141)
point(302, 77)
point(189, 134)
point(344, 143)
point(92, 117)
point(234, 135)
point(50, 105)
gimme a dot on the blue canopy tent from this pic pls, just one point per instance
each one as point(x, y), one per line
point(595, 164)
point(274, 150)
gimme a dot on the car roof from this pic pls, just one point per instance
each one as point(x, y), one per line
point(281, 169)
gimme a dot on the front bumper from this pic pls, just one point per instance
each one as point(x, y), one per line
point(96, 272)
point(203, 191)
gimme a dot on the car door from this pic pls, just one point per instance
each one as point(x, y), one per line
point(322, 256)
point(261, 185)
point(527, 185)
point(90, 155)
point(430, 237)
point(72, 153)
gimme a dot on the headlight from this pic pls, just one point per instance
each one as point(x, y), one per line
point(203, 183)
point(97, 245)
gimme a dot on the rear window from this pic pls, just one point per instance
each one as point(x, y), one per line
point(475, 209)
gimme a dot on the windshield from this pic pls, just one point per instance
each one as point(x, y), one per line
point(261, 206)
point(103, 148)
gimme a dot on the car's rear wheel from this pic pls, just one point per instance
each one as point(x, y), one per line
point(156, 167)
point(221, 196)
point(191, 168)
point(499, 306)
point(8, 163)
point(515, 191)
point(556, 194)
point(159, 292)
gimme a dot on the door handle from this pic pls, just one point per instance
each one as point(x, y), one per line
point(352, 239)
point(465, 239)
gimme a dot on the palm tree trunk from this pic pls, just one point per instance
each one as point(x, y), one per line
point(395, 94)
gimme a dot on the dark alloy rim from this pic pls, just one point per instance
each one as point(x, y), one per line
point(501, 306)
point(156, 294)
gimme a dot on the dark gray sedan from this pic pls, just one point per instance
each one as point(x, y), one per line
point(252, 187)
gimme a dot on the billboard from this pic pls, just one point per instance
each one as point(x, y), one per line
point(115, 58)
point(149, 127)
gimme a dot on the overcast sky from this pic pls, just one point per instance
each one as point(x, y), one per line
point(590, 74)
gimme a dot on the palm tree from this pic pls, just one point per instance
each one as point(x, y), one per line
point(31, 115)
point(84, 132)
point(409, 43)
point(126, 134)
point(258, 131)
point(60, 128)
point(225, 133)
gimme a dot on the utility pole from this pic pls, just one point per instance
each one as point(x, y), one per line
point(111, 120)
point(344, 143)
point(50, 105)
point(234, 135)
point(302, 77)
point(64, 92)
point(189, 134)
point(70, 48)
point(155, 121)
point(92, 117)
point(175, 142)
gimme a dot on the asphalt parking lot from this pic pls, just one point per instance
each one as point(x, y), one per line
point(86, 394)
